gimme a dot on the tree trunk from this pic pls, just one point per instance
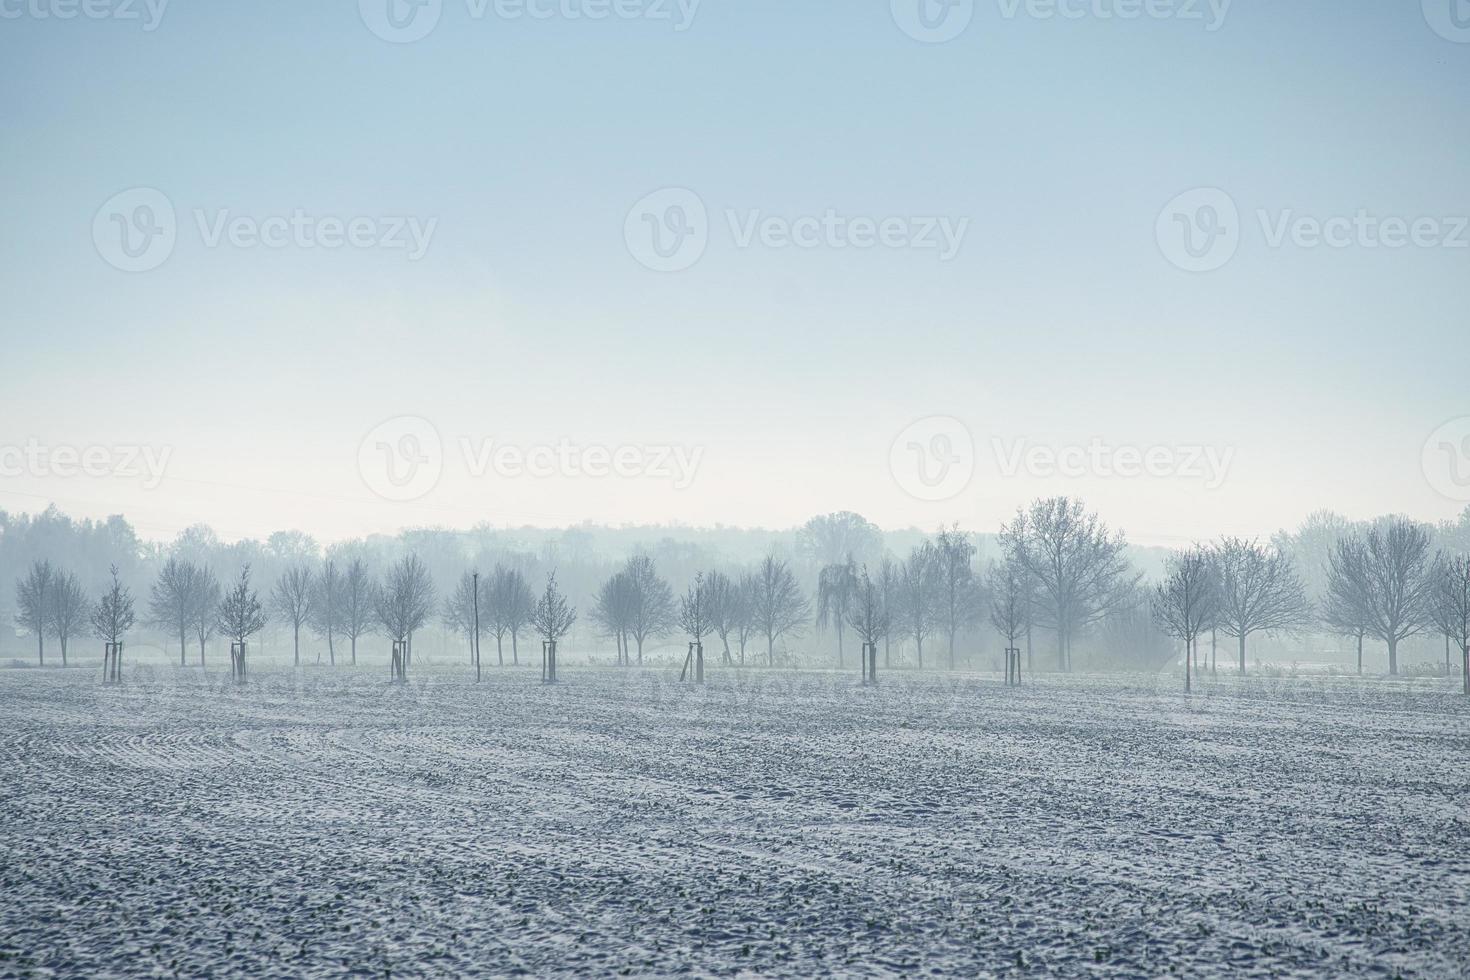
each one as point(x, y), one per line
point(515, 657)
point(41, 647)
point(919, 641)
point(331, 650)
point(1242, 653)
point(354, 649)
point(499, 651)
point(63, 657)
point(725, 639)
point(1360, 654)
point(182, 645)
point(1393, 655)
point(839, 644)
point(296, 643)
point(201, 651)
point(1188, 659)
point(770, 650)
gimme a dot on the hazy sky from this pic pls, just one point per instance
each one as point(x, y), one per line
point(986, 236)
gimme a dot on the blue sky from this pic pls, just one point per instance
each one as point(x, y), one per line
point(528, 320)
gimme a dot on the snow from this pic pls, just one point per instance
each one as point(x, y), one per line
point(771, 823)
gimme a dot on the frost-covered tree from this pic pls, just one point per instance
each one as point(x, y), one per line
point(173, 600)
point(653, 611)
point(831, 539)
point(1399, 584)
point(919, 596)
point(867, 614)
point(1259, 592)
point(726, 609)
point(777, 604)
point(1009, 591)
point(359, 602)
point(241, 615)
point(959, 593)
point(68, 609)
point(112, 616)
point(1183, 603)
point(1347, 599)
point(291, 600)
point(612, 611)
point(404, 605)
point(553, 618)
point(33, 603)
point(836, 586)
point(1080, 567)
point(325, 609)
point(1451, 599)
point(203, 615)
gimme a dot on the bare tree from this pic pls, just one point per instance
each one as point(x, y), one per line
point(33, 603)
point(553, 618)
point(460, 609)
point(112, 616)
point(959, 594)
point(403, 605)
point(203, 614)
point(1399, 584)
point(868, 616)
point(612, 611)
point(1009, 588)
point(324, 612)
point(1183, 603)
point(1452, 604)
point(888, 583)
point(359, 602)
point(1347, 600)
point(291, 599)
point(777, 605)
point(1259, 592)
point(726, 608)
point(1079, 565)
point(836, 587)
point(746, 627)
point(919, 596)
point(173, 599)
point(519, 609)
point(241, 614)
point(68, 609)
point(652, 612)
point(694, 620)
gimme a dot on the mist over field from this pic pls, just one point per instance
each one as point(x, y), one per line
point(696, 487)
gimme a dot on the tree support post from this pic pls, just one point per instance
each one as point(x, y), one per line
point(400, 662)
point(237, 662)
point(111, 663)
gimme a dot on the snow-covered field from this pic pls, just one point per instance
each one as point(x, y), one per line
point(320, 822)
